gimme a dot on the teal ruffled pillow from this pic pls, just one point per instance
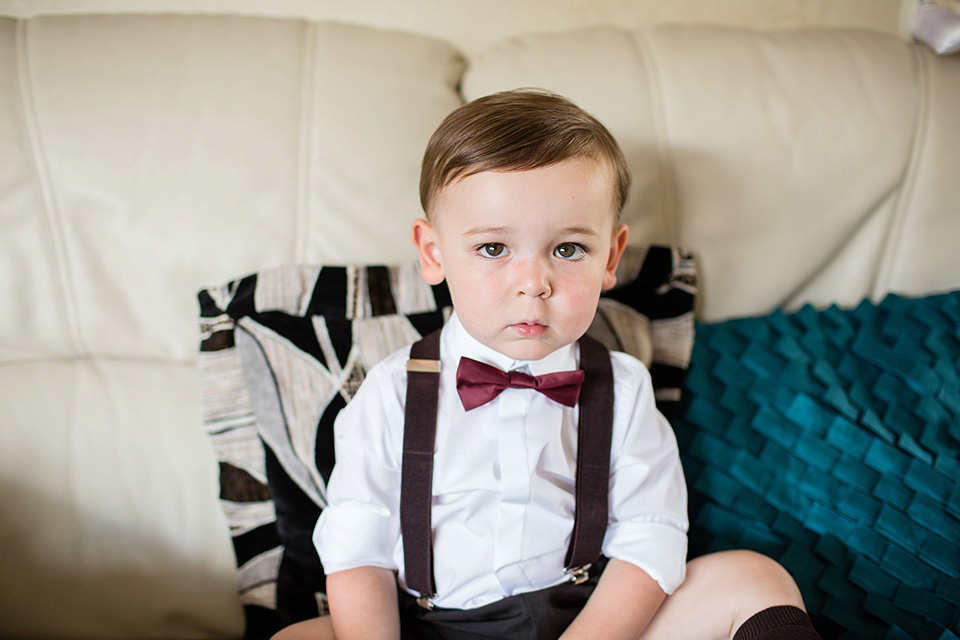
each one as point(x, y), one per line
point(830, 440)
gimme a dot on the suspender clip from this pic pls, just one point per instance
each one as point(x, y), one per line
point(426, 602)
point(419, 365)
point(578, 575)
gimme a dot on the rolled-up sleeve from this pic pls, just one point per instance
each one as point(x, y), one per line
point(648, 495)
point(360, 524)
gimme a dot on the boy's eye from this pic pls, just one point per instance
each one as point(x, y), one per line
point(569, 251)
point(492, 250)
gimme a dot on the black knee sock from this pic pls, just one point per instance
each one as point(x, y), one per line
point(778, 623)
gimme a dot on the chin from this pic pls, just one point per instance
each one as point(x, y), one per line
point(534, 351)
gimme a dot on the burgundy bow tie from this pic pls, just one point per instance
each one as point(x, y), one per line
point(479, 383)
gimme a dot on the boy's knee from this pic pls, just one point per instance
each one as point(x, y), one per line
point(743, 584)
point(757, 581)
point(764, 583)
point(750, 562)
point(722, 591)
point(315, 629)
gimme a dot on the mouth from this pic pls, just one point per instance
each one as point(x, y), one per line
point(529, 329)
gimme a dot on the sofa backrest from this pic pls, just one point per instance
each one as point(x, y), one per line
point(799, 166)
point(147, 156)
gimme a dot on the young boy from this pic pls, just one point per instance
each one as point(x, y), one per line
point(522, 192)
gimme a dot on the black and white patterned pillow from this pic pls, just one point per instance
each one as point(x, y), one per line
point(283, 350)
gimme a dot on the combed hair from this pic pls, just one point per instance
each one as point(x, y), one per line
point(517, 131)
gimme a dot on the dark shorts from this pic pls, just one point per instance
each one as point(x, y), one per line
point(538, 615)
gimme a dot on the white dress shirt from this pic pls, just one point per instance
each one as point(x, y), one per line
point(503, 484)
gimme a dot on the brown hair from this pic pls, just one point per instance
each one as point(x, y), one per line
point(517, 131)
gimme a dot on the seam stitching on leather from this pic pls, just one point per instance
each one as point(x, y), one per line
point(667, 178)
point(51, 206)
point(307, 133)
point(892, 245)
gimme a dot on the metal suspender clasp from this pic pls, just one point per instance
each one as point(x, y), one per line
point(578, 575)
point(426, 602)
point(423, 366)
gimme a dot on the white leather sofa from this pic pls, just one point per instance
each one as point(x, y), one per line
point(143, 157)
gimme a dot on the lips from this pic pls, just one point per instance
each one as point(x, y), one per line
point(529, 329)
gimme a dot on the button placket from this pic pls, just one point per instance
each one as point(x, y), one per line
point(515, 483)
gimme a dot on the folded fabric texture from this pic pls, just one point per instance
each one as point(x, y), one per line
point(283, 350)
point(830, 441)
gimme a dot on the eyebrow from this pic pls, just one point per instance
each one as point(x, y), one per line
point(583, 231)
point(476, 231)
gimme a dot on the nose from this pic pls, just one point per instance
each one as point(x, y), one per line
point(533, 279)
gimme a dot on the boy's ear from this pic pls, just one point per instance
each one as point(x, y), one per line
point(425, 239)
point(617, 246)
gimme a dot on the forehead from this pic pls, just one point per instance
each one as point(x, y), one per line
point(577, 185)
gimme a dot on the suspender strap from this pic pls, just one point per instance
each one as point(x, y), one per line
point(594, 435)
point(416, 483)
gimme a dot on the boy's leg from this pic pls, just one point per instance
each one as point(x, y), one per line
point(722, 594)
point(315, 629)
point(723, 591)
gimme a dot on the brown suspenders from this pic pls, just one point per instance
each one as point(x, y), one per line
point(594, 433)
point(416, 481)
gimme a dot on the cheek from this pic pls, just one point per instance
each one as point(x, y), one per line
point(584, 286)
point(472, 290)
point(581, 298)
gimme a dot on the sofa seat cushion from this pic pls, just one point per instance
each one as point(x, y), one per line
point(105, 517)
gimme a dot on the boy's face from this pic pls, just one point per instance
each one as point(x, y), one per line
point(525, 253)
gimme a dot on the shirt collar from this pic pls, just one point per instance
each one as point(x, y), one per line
point(458, 343)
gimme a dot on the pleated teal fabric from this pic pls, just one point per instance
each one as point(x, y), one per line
point(830, 440)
